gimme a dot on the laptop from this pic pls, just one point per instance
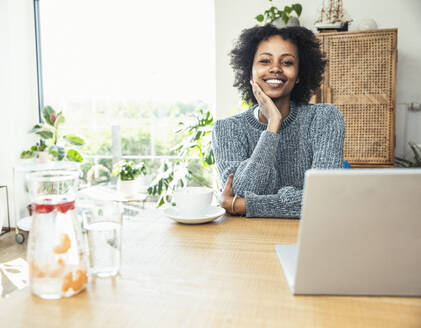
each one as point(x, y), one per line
point(360, 234)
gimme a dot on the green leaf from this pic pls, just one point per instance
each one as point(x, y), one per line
point(43, 130)
point(297, 8)
point(27, 154)
point(35, 128)
point(161, 202)
point(59, 119)
point(287, 9)
point(53, 151)
point(45, 134)
point(417, 155)
point(260, 18)
point(74, 156)
point(46, 114)
point(210, 158)
point(41, 146)
point(285, 17)
point(403, 162)
point(57, 152)
point(74, 139)
point(272, 13)
point(128, 170)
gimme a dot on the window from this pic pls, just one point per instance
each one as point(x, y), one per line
point(125, 72)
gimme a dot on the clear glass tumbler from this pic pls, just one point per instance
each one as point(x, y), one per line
point(56, 254)
point(103, 223)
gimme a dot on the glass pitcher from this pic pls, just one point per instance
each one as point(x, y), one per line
point(56, 253)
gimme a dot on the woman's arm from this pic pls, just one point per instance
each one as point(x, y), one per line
point(287, 203)
point(284, 204)
point(327, 137)
point(255, 172)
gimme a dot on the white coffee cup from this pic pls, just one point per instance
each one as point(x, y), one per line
point(193, 201)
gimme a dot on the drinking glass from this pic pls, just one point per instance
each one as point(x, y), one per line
point(103, 224)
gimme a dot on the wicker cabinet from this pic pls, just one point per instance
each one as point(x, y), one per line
point(360, 79)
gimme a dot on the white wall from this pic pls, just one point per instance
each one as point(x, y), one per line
point(233, 16)
point(18, 93)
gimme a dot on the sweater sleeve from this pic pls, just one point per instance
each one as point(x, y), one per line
point(256, 172)
point(327, 135)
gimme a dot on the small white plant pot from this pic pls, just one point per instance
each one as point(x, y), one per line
point(43, 157)
point(127, 188)
point(144, 182)
point(292, 21)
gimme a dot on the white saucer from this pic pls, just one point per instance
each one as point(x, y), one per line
point(210, 214)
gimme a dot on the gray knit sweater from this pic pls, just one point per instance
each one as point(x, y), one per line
point(269, 168)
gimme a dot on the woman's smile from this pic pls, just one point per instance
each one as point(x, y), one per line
point(275, 82)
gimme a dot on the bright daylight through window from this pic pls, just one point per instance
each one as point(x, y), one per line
point(126, 72)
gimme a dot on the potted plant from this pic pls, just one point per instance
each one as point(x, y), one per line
point(59, 146)
point(416, 162)
point(196, 144)
point(39, 151)
point(281, 18)
point(127, 172)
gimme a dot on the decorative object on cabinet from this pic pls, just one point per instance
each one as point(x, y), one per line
point(332, 17)
point(364, 24)
point(360, 79)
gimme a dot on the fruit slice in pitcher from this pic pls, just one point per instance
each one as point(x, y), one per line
point(64, 245)
point(47, 208)
point(64, 207)
point(43, 208)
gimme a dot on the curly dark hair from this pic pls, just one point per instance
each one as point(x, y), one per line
point(311, 59)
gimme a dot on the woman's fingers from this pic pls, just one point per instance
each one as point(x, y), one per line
point(228, 185)
point(266, 104)
point(261, 97)
point(225, 196)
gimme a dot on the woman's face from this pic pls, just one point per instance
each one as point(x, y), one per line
point(275, 67)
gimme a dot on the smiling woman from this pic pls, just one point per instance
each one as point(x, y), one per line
point(263, 153)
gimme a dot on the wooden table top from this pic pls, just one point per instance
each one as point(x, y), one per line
point(222, 274)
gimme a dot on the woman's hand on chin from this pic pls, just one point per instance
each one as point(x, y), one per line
point(268, 108)
point(233, 205)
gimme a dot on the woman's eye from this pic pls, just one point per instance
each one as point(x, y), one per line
point(287, 63)
point(264, 61)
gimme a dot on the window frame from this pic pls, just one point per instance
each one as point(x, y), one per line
point(116, 154)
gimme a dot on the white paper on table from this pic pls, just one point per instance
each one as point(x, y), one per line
point(16, 271)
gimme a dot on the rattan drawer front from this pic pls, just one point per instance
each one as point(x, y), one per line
point(360, 64)
point(368, 137)
point(360, 81)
